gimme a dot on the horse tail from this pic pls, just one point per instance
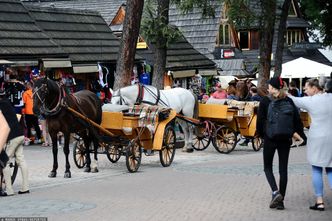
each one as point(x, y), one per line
point(195, 107)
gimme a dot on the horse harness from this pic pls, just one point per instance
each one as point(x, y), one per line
point(140, 96)
point(61, 102)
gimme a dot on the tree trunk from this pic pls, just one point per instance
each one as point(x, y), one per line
point(266, 40)
point(126, 59)
point(160, 49)
point(282, 31)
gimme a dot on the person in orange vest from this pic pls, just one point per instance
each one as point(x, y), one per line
point(30, 119)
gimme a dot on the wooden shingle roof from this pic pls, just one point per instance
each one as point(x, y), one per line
point(181, 56)
point(107, 8)
point(20, 37)
point(200, 32)
point(84, 35)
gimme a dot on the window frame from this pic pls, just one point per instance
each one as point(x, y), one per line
point(294, 36)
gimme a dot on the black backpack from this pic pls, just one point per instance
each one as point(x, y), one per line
point(280, 119)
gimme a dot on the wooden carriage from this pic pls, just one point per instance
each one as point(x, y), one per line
point(129, 131)
point(306, 120)
point(226, 122)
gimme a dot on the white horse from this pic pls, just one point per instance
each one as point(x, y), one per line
point(179, 99)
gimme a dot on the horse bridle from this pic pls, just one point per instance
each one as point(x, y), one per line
point(44, 110)
point(121, 98)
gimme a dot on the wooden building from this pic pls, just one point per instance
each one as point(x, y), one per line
point(75, 41)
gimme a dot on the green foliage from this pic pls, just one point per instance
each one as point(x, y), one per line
point(319, 15)
point(240, 14)
point(207, 6)
point(155, 28)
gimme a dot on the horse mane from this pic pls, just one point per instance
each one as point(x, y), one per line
point(52, 85)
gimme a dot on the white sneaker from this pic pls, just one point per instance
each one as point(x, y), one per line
point(27, 142)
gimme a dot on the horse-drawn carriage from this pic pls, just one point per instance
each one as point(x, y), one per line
point(222, 124)
point(128, 131)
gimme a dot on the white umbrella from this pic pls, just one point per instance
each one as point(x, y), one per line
point(302, 67)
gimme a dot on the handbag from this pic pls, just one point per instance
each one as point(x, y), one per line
point(3, 159)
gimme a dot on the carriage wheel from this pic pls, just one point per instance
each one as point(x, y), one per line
point(257, 143)
point(133, 157)
point(79, 153)
point(225, 139)
point(13, 170)
point(201, 139)
point(113, 153)
point(167, 152)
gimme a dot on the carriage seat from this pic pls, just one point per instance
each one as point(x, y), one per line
point(149, 116)
point(212, 100)
point(115, 108)
point(250, 108)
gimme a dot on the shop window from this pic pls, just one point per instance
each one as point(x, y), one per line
point(223, 37)
point(244, 39)
point(294, 36)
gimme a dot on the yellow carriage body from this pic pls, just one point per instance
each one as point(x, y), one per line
point(218, 113)
point(245, 123)
point(129, 126)
point(305, 117)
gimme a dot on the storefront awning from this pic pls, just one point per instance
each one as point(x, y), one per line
point(230, 64)
point(238, 73)
point(81, 69)
point(24, 63)
point(183, 74)
point(5, 62)
point(208, 72)
point(56, 63)
point(20, 63)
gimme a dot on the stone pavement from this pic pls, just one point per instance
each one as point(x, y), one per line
point(203, 185)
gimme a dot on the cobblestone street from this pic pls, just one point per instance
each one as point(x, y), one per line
point(199, 186)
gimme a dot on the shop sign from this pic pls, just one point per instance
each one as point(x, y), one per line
point(227, 53)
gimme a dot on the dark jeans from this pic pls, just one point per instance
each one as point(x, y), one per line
point(269, 150)
point(32, 121)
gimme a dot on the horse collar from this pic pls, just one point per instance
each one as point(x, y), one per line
point(54, 111)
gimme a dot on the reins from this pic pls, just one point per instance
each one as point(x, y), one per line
point(44, 109)
point(155, 96)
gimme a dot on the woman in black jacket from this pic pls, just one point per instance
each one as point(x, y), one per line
point(271, 145)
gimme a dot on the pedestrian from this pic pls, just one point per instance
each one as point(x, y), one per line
point(14, 148)
point(46, 136)
point(267, 128)
point(254, 94)
point(319, 151)
point(4, 128)
point(313, 87)
point(30, 118)
point(196, 83)
point(220, 93)
point(293, 90)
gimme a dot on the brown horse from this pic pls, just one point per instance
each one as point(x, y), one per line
point(242, 90)
point(49, 100)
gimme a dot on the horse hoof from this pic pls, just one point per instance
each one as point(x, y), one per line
point(94, 170)
point(52, 174)
point(67, 175)
point(87, 170)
